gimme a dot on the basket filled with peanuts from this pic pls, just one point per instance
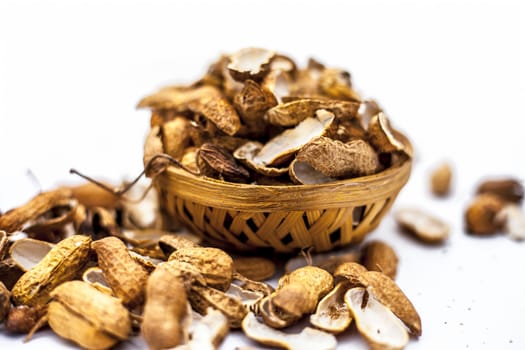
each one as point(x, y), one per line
point(260, 153)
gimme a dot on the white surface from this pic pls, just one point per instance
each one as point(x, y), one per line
point(450, 74)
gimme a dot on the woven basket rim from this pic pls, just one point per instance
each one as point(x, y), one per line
point(253, 197)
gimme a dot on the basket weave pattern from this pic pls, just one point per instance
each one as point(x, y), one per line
point(285, 218)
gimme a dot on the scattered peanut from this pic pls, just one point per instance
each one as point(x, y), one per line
point(480, 216)
point(214, 264)
point(299, 292)
point(510, 190)
point(423, 226)
point(88, 317)
point(379, 256)
point(15, 219)
point(126, 277)
point(63, 263)
point(441, 179)
point(166, 310)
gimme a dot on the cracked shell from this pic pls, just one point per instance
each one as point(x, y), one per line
point(375, 322)
point(205, 100)
point(332, 314)
point(250, 63)
point(282, 147)
point(307, 339)
point(422, 225)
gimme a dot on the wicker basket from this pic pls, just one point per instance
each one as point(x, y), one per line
point(285, 218)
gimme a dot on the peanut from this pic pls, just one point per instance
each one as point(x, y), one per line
point(126, 277)
point(165, 309)
point(63, 263)
point(214, 264)
point(88, 317)
point(299, 292)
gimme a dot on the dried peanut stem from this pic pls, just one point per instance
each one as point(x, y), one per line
point(42, 322)
point(119, 192)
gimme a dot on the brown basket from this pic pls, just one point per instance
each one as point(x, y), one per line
point(285, 218)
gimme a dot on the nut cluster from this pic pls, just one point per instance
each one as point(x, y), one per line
point(99, 279)
point(255, 117)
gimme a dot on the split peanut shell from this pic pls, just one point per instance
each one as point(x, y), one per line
point(422, 225)
point(205, 100)
point(307, 339)
point(332, 314)
point(279, 149)
point(294, 112)
point(250, 63)
point(375, 322)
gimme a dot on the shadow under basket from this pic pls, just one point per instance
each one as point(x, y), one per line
point(284, 218)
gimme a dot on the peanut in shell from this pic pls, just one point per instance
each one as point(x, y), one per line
point(95, 306)
point(63, 263)
point(340, 160)
point(380, 256)
point(214, 264)
point(166, 310)
point(440, 180)
point(126, 277)
point(480, 215)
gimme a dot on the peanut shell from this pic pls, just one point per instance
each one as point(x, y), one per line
point(509, 189)
point(85, 300)
point(203, 297)
point(292, 113)
point(214, 264)
point(14, 219)
point(126, 277)
point(205, 100)
point(379, 256)
point(165, 311)
point(76, 328)
point(254, 268)
point(441, 179)
point(480, 216)
point(175, 136)
point(63, 263)
point(340, 160)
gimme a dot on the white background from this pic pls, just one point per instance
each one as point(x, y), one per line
point(449, 73)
